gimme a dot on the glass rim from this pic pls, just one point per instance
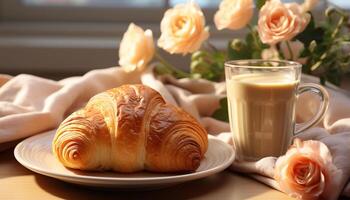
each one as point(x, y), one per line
point(286, 64)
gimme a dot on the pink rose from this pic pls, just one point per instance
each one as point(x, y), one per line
point(280, 22)
point(234, 14)
point(183, 29)
point(136, 48)
point(304, 172)
point(297, 47)
point(270, 54)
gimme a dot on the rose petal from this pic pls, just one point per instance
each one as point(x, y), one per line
point(280, 22)
point(303, 172)
point(183, 29)
point(136, 48)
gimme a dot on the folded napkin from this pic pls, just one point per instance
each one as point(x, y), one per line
point(31, 105)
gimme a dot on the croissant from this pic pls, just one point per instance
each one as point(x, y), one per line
point(129, 129)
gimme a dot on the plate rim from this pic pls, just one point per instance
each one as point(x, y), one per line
point(188, 176)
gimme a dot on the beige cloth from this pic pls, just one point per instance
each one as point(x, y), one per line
point(30, 105)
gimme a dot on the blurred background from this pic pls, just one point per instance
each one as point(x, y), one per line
point(60, 38)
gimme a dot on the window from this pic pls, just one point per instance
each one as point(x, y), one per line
point(202, 3)
point(344, 4)
point(118, 3)
point(103, 10)
point(93, 10)
point(99, 3)
point(37, 36)
point(81, 10)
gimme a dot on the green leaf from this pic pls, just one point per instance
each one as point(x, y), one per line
point(312, 45)
point(256, 55)
point(251, 41)
point(199, 54)
point(160, 69)
point(325, 56)
point(311, 33)
point(260, 3)
point(316, 65)
point(305, 53)
point(222, 112)
point(208, 65)
point(237, 53)
point(200, 67)
point(334, 76)
point(219, 57)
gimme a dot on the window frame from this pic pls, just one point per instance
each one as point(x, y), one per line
point(88, 36)
point(14, 10)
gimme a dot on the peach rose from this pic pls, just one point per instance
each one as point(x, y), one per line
point(183, 29)
point(234, 14)
point(296, 46)
point(280, 22)
point(309, 5)
point(304, 171)
point(136, 48)
point(270, 54)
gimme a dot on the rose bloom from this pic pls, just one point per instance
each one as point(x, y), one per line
point(234, 14)
point(270, 54)
point(183, 29)
point(136, 48)
point(297, 47)
point(280, 22)
point(304, 171)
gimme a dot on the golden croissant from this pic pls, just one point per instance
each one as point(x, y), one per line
point(129, 129)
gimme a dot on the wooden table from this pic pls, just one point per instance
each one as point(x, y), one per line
point(16, 182)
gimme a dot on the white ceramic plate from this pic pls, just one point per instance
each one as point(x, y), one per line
point(35, 154)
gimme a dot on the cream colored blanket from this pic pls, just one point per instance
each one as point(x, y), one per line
point(30, 105)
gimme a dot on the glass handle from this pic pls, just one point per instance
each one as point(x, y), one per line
point(324, 98)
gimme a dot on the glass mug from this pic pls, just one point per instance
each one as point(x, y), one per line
point(262, 97)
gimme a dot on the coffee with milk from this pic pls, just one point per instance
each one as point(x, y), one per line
point(261, 109)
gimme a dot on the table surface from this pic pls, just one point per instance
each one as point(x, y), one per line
point(16, 182)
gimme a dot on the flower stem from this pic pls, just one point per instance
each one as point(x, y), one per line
point(256, 41)
point(338, 27)
point(290, 50)
point(176, 72)
point(211, 46)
